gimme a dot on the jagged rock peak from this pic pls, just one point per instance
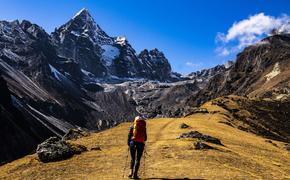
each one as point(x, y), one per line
point(82, 13)
point(86, 18)
point(83, 24)
point(156, 53)
point(152, 55)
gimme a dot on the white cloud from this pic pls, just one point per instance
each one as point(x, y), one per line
point(250, 31)
point(193, 65)
point(222, 51)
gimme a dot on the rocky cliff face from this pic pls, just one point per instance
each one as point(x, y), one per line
point(154, 64)
point(21, 128)
point(85, 43)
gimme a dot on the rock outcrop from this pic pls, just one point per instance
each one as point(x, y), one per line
point(184, 126)
point(201, 146)
point(55, 149)
point(200, 136)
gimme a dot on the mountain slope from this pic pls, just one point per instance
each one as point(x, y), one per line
point(260, 70)
point(244, 155)
point(21, 128)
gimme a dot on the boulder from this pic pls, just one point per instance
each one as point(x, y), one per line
point(55, 149)
point(184, 126)
point(200, 136)
point(200, 146)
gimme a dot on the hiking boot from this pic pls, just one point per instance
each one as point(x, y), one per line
point(136, 177)
point(131, 174)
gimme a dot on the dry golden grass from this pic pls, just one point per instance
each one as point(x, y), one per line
point(243, 156)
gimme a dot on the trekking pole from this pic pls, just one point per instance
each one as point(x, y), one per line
point(125, 167)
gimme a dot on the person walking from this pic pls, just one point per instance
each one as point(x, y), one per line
point(136, 141)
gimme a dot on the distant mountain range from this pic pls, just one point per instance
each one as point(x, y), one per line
point(78, 76)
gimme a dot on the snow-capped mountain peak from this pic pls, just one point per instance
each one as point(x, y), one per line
point(83, 40)
point(83, 25)
point(82, 12)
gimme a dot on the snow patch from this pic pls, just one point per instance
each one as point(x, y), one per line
point(273, 73)
point(140, 60)
point(121, 40)
point(55, 72)
point(173, 75)
point(75, 33)
point(79, 13)
point(87, 73)
point(109, 54)
point(62, 37)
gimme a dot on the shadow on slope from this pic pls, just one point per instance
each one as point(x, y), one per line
point(265, 117)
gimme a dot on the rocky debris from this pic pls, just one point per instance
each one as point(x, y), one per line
point(201, 146)
point(184, 126)
point(155, 99)
point(74, 134)
point(200, 136)
point(55, 149)
point(96, 148)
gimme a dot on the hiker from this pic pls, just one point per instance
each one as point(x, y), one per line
point(136, 141)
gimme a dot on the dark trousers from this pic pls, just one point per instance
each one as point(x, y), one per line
point(136, 148)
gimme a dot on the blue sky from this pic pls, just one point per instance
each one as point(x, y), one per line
point(185, 30)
